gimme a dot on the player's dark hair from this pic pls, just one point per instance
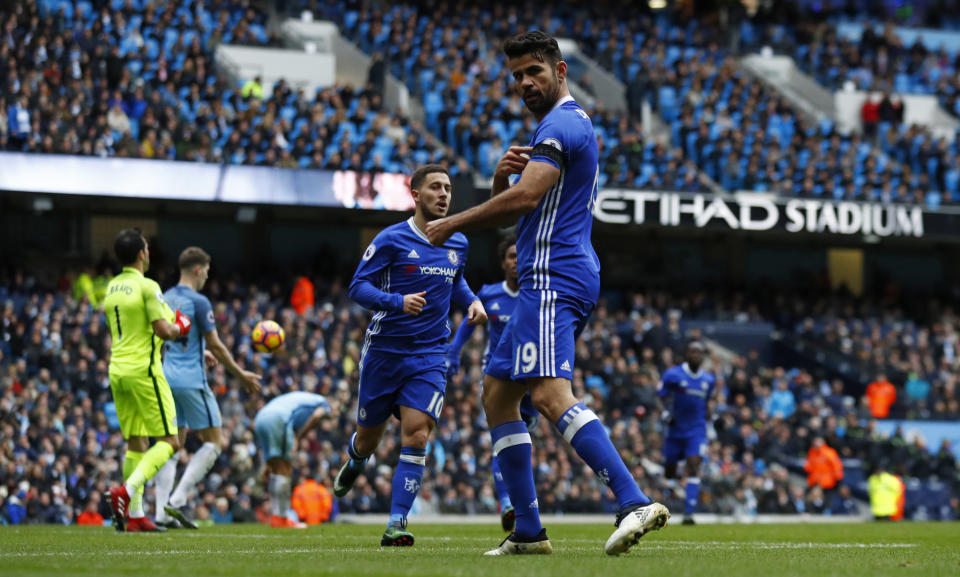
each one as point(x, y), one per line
point(128, 244)
point(505, 244)
point(420, 174)
point(538, 44)
point(193, 256)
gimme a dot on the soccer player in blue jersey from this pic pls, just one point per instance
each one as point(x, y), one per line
point(499, 300)
point(279, 427)
point(184, 365)
point(686, 390)
point(409, 283)
point(559, 285)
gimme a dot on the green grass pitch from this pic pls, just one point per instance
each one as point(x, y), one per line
point(869, 550)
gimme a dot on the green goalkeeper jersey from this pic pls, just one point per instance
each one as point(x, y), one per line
point(132, 304)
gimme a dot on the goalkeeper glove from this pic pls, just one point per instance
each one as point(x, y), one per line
point(183, 323)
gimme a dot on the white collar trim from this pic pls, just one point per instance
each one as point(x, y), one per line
point(561, 102)
point(506, 289)
point(417, 231)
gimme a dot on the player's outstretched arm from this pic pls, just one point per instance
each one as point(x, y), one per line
point(501, 210)
point(249, 380)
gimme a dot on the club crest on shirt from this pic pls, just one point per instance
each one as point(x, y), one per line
point(452, 257)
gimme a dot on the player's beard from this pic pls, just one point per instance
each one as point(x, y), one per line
point(546, 100)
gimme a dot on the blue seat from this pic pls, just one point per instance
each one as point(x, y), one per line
point(421, 156)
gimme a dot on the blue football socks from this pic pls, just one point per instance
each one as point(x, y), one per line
point(583, 430)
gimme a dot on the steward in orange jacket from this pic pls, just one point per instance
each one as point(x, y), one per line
point(823, 465)
point(312, 502)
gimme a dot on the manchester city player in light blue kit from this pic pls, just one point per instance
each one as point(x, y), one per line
point(559, 285)
point(499, 300)
point(686, 390)
point(279, 426)
point(409, 283)
point(184, 365)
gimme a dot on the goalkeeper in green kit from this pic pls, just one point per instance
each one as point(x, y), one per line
point(139, 320)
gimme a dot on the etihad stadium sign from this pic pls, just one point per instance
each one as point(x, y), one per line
point(751, 211)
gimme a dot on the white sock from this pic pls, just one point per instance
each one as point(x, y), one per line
point(201, 463)
point(279, 495)
point(164, 480)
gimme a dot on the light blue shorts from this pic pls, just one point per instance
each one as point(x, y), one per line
point(196, 408)
point(274, 437)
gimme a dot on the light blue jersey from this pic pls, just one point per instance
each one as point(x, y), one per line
point(277, 423)
point(183, 363)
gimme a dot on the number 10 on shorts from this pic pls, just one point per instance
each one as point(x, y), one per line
point(436, 405)
point(526, 354)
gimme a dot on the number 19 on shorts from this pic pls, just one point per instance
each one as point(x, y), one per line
point(526, 358)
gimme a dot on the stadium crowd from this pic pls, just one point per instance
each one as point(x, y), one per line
point(139, 80)
point(135, 79)
point(59, 441)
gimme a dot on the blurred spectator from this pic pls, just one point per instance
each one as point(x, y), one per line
point(90, 515)
point(252, 89)
point(781, 402)
point(881, 394)
point(886, 491)
point(823, 468)
point(917, 388)
point(870, 115)
point(312, 502)
point(302, 297)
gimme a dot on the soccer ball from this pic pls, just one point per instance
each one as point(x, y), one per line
point(267, 336)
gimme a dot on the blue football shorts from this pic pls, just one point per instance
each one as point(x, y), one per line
point(389, 381)
point(540, 339)
point(676, 449)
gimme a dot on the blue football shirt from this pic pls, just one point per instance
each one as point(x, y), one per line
point(183, 363)
point(554, 251)
point(687, 395)
point(401, 261)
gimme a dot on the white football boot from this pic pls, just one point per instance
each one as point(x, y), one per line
point(635, 524)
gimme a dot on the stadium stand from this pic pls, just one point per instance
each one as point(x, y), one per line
point(138, 79)
point(60, 436)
